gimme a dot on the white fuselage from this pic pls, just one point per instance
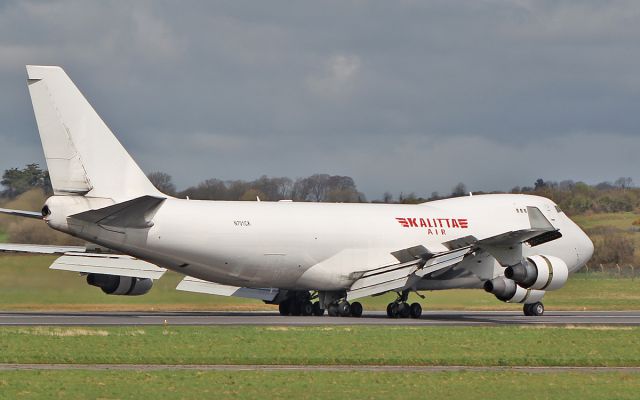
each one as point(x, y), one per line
point(313, 245)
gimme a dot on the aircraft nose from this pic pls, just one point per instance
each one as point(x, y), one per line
point(584, 248)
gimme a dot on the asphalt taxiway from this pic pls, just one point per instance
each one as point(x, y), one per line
point(429, 318)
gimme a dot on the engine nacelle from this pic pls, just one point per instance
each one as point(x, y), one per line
point(120, 285)
point(539, 272)
point(510, 292)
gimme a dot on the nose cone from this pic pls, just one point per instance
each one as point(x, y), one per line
point(584, 248)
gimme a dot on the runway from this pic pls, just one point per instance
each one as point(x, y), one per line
point(430, 318)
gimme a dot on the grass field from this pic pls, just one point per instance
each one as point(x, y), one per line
point(361, 345)
point(324, 345)
point(26, 283)
point(622, 220)
point(314, 385)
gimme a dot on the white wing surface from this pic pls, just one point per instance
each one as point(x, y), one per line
point(40, 248)
point(403, 275)
point(190, 284)
point(107, 264)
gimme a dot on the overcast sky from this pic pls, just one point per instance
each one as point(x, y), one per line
point(400, 95)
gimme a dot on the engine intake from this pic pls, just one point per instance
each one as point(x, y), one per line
point(510, 292)
point(539, 272)
point(120, 285)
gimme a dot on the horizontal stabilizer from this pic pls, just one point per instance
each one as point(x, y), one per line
point(107, 264)
point(190, 284)
point(136, 213)
point(20, 213)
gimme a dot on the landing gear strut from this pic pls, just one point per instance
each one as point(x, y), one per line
point(401, 309)
point(533, 309)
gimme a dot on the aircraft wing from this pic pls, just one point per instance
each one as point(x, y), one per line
point(107, 264)
point(39, 248)
point(190, 284)
point(21, 213)
point(405, 274)
point(89, 260)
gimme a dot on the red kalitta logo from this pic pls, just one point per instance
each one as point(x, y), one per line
point(434, 226)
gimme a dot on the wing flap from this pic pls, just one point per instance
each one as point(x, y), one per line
point(404, 275)
point(190, 284)
point(107, 264)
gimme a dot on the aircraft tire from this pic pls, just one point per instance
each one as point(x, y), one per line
point(404, 310)
point(317, 311)
point(344, 309)
point(295, 308)
point(537, 309)
point(415, 310)
point(332, 310)
point(306, 308)
point(533, 309)
point(356, 309)
point(283, 308)
point(392, 310)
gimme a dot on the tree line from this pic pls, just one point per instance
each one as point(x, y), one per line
point(573, 197)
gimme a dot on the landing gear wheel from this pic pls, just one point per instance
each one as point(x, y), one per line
point(392, 310)
point(306, 308)
point(333, 310)
point(415, 310)
point(283, 308)
point(404, 310)
point(317, 311)
point(295, 308)
point(344, 309)
point(533, 309)
point(356, 309)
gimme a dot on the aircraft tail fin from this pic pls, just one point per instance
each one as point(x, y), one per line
point(82, 154)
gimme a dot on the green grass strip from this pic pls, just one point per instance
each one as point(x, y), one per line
point(316, 385)
point(363, 345)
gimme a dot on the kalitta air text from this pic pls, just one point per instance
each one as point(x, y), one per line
point(434, 226)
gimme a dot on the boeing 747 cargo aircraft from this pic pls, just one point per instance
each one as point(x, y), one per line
point(305, 257)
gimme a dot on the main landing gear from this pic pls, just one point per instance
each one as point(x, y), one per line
point(401, 309)
point(533, 309)
point(345, 309)
point(300, 304)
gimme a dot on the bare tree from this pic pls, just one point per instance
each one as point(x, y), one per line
point(624, 182)
point(163, 182)
point(459, 190)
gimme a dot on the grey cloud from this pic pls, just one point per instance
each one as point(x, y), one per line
point(400, 95)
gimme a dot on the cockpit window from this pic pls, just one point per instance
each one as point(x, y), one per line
point(558, 209)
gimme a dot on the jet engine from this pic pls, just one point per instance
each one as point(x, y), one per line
point(510, 292)
point(539, 272)
point(120, 285)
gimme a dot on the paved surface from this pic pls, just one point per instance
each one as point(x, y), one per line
point(306, 368)
point(432, 318)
